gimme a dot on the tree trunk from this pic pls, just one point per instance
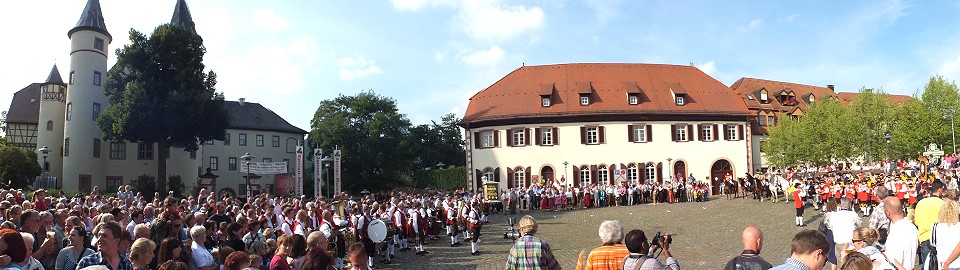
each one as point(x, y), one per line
point(162, 152)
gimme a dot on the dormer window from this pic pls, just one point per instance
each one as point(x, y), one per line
point(546, 92)
point(584, 100)
point(811, 98)
point(633, 99)
point(763, 95)
point(545, 101)
point(680, 100)
point(679, 94)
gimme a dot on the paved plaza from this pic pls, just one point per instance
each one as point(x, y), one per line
point(706, 235)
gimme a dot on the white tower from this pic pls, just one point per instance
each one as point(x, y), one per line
point(53, 98)
point(82, 168)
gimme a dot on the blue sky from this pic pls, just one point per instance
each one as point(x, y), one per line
point(432, 55)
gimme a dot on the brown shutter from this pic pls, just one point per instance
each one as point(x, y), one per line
point(689, 133)
point(556, 136)
point(496, 175)
point(641, 172)
point(526, 135)
point(510, 137)
point(700, 132)
point(526, 174)
point(649, 133)
point(630, 133)
point(576, 175)
point(610, 174)
point(583, 135)
point(536, 135)
point(479, 176)
point(476, 140)
point(600, 134)
point(660, 171)
point(673, 132)
point(496, 138)
point(715, 131)
point(510, 179)
point(725, 137)
point(594, 174)
point(739, 132)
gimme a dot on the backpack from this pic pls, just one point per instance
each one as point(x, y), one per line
point(636, 262)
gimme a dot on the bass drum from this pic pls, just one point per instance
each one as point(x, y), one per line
point(377, 231)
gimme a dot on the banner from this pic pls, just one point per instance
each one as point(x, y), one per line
point(262, 168)
point(299, 174)
point(336, 172)
point(317, 172)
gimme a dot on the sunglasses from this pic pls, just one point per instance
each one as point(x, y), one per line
point(859, 240)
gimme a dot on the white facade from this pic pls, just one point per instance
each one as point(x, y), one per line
point(224, 157)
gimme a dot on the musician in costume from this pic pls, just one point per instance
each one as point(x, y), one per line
point(475, 224)
point(416, 227)
point(331, 230)
point(451, 221)
point(362, 229)
point(399, 218)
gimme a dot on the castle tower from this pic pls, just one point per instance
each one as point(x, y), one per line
point(53, 98)
point(182, 18)
point(82, 164)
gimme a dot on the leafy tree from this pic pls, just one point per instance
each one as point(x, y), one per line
point(943, 100)
point(145, 185)
point(159, 93)
point(875, 114)
point(915, 127)
point(175, 184)
point(19, 166)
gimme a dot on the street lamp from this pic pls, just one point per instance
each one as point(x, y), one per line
point(669, 172)
point(247, 157)
point(44, 151)
point(783, 158)
point(440, 165)
point(887, 137)
point(326, 161)
point(565, 171)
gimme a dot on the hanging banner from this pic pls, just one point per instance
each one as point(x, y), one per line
point(299, 170)
point(317, 172)
point(262, 168)
point(336, 172)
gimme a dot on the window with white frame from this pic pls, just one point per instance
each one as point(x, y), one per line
point(584, 100)
point(632, 173)
point(488, 175)
point(603, 175)
point(681, 133)
point(584, 175)
point(518, 177)
point(486, 138)
point(732, 132)
point(707, 132)
point(144, 151)
point(650, 172)
point(69, 111)
point(639, 133)
point(593, 135)
point(546, 136)
point(214, 163)
point(96, 111)
point(763, 95)
point(633, 100)
point(118, 150)
point(545, 102)
point(518, 138)
point(680, 100)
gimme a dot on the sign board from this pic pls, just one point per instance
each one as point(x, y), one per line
point(490, 191)
point(336, 172)
point(262, 168)
point(317, 172)
point(299, 173)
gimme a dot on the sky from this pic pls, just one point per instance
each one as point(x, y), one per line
point(431, 56)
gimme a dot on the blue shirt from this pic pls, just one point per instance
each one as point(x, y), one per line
point(791, 264)
point(97, 259)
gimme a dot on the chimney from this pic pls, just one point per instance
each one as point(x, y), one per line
point(244, 100)
point(831, 87)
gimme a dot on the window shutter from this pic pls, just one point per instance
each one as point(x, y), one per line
point(630, 134)
point(649, 133)
point(526, 135)
point(594, 174)
point(583, 135)
point(510, 177)
point(610, 174)
point(496, 138)
point(726, 136)
point(536, 135)
point(496, 175)
point(510, 137)
point(556, 136)
point(700, 133)
point(526, 174)
point(689, 133)
point(576, 175)
point(479, 176)
point(600, 134)
point(673, 132)
point(642, 172)
point(739, 132)
point(715, 133)
point(660, 171)
point(476, 140)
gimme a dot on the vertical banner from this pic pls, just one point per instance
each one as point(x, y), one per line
point(336, 172)
point(299, 170)
point(317, 172)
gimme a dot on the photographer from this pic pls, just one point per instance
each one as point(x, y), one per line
point(636, 242)
point(530, 252)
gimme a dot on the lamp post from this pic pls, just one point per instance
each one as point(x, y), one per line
point(887, 137)
point(565, 171)
point(44, 151)
point(247, 157)
point(669, 171)
point(440, 165)
point(783, 158)
point(326, 164)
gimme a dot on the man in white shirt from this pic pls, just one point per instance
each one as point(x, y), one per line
point(136, 218)
point(842, 223)
point(901, 246)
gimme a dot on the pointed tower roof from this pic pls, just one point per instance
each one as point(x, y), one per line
point(182, 18)
point(54, 77)
point(91, 19)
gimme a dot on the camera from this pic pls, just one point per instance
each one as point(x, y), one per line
point(512, 233)
point(660, 237)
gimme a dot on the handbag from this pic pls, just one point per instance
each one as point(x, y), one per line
point(932, 257)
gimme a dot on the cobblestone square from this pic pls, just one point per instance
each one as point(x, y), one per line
point(706, 235)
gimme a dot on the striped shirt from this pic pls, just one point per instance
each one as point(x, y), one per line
point(606, 257)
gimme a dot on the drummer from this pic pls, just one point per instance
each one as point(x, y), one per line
point(451, 220)
point(331, 230)
point(362, 226)
point(416, 227)
point(385, 216)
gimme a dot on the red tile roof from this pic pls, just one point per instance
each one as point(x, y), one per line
point(747, 88)
point(518, 94)
point(847, 97)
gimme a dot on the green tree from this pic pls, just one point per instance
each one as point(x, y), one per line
point(875, 114)
point(145, 185)
point(943, 100)
point(19, 166)
point(159, 93)
point(915, 127)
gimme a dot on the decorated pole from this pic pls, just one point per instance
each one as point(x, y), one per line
point(317, 172)
point(299, 173)
point(336, 172)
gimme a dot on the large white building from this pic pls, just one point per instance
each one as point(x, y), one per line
point(604, 123)
point(62, 116)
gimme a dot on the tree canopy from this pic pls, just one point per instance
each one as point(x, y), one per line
point(19, 166)
point(159, 93)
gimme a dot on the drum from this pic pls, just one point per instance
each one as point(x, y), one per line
point(377, 231)
point(391, 230)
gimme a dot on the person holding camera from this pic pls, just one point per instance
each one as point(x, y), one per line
point(640, 252)
point(530, 252)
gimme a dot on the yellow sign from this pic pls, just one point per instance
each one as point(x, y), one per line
point(490, 191)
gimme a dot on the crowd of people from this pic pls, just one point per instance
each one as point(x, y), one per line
point(211, 232)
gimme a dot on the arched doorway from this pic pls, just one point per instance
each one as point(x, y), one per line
point(680, 170)
point(718, 172)
point(546, 173)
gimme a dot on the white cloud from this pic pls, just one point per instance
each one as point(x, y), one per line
point(710, 67)
point(606, 9)
point(268, 19)
point(789, 19)
point(950, 68)
point(275, 68)
point(752, 25)
point(438, 57)
point(416, 5)
point(357, 67)
point(483, 58)
point(490, 20)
